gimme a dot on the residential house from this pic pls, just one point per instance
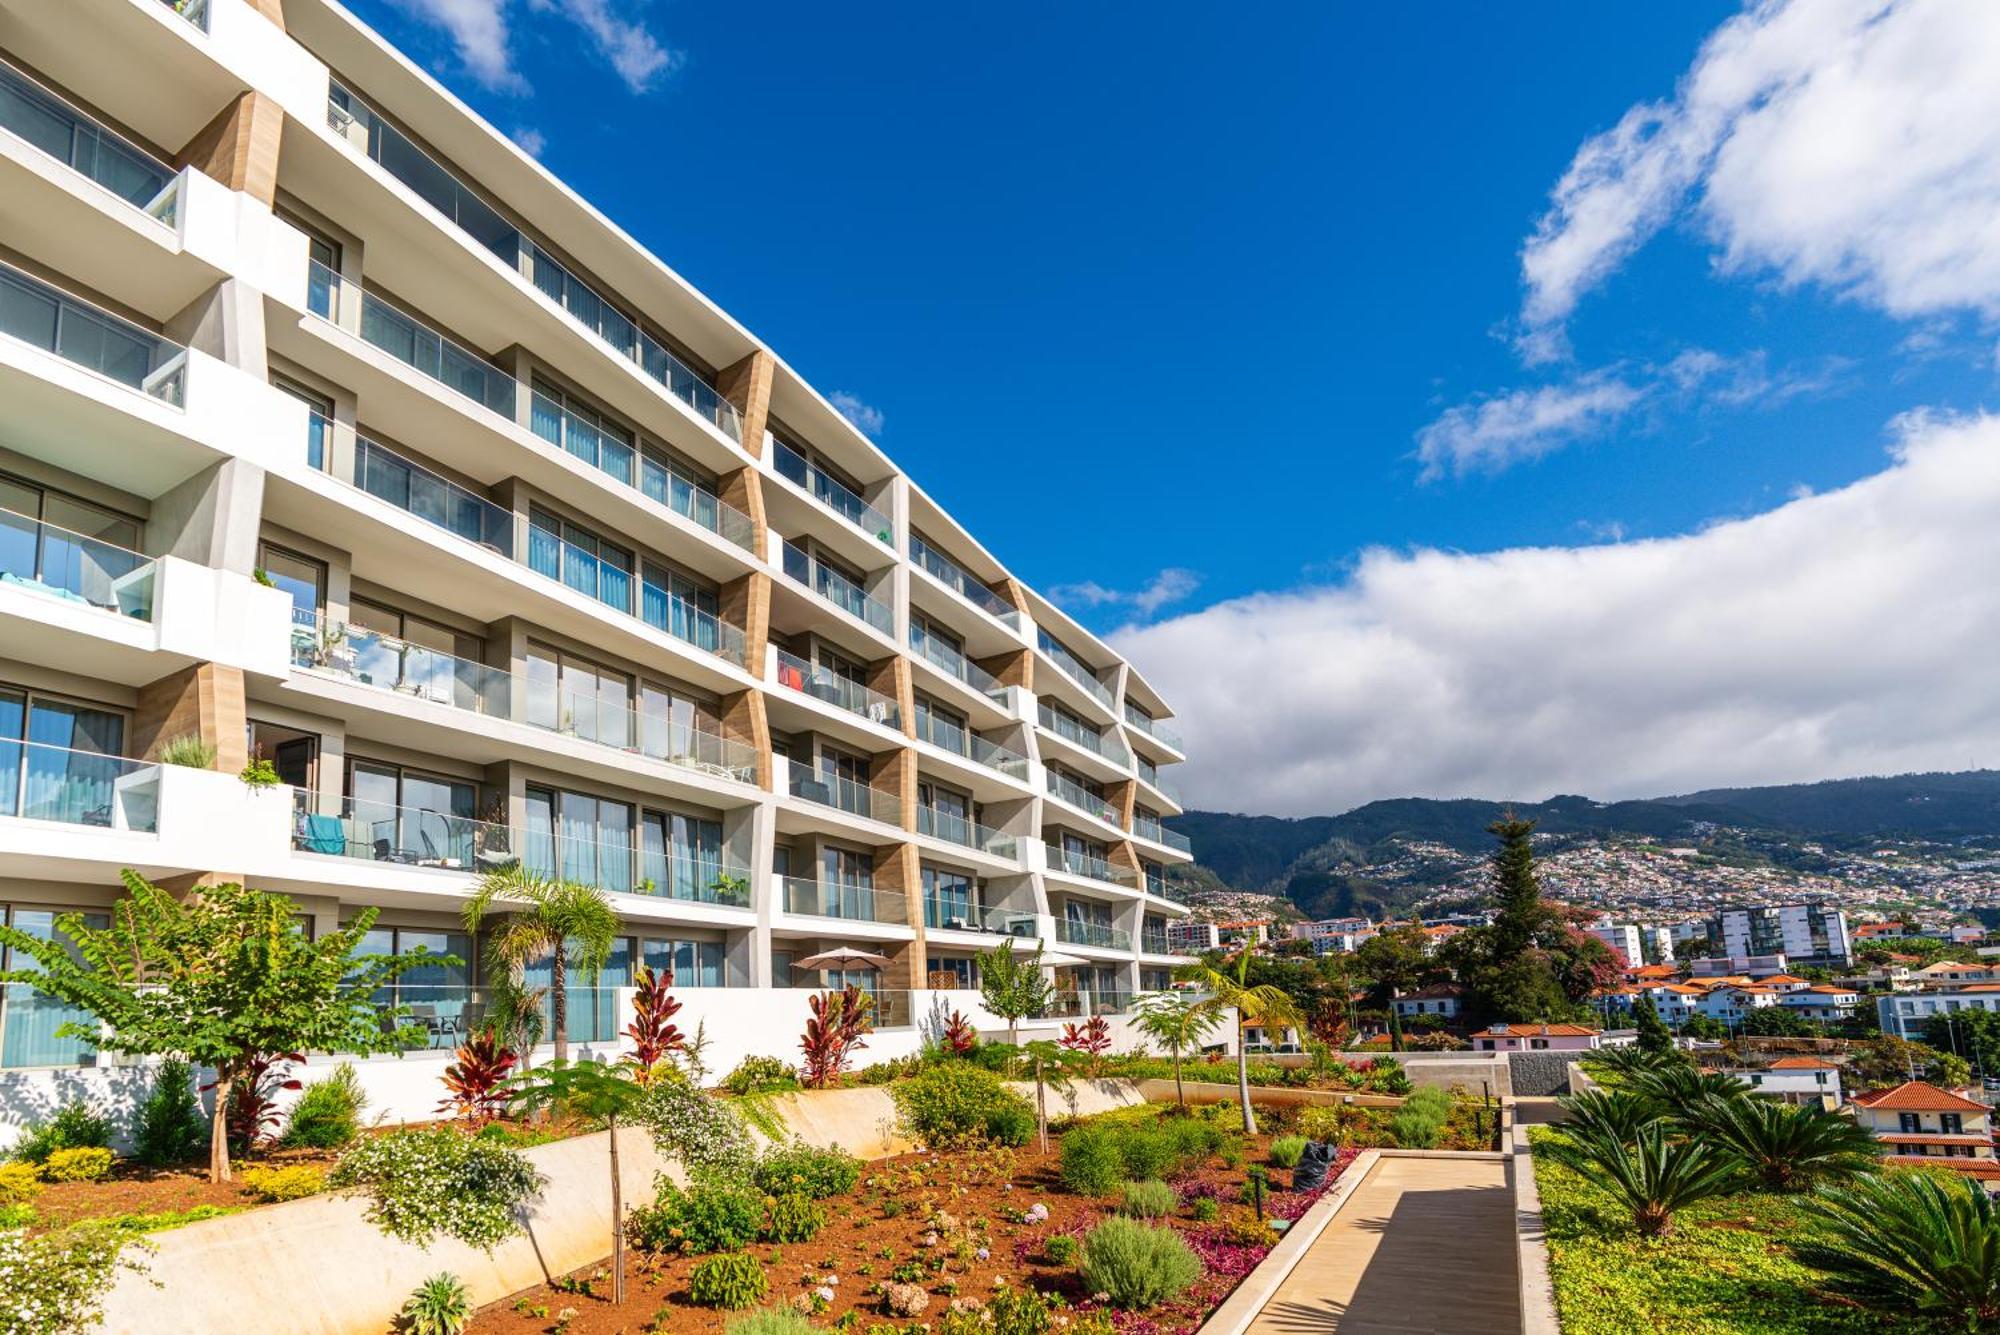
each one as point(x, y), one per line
point(1796, 1080)
point(1918, 1122)
point(1537, 1038)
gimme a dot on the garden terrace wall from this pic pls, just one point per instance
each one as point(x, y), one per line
point(1541, 1074)
point(1282, 1096)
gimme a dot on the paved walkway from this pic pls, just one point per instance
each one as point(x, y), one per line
point(1424, 1247)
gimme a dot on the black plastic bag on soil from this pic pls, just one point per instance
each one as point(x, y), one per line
point(1310, 1173)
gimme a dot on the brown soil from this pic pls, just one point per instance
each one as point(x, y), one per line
point(885, 1222)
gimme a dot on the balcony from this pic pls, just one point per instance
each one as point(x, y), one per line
point(837, 589)
point(57, 563)
point(831, 492)
point(415, 490)
point(1088, 865)
point(68, 787)
point(1154, 943)
point(413, 343)
point(823, 683)
point(951, 914)
point(1081, 1003)
point(1158, 731)
point(1078, 932)
point(1073, 667)
point(48, 122)
point(957, 829)
point(1147, 828)
point(950, 574)
point(973, 747)
point(194, 11)
point(1076, 795)
point(553, 555)
point(655, 736)
point(842, 794)
point(807, 898)
point(1103, 745)
point(353, 120)
point(955, 664)
point(52, 320)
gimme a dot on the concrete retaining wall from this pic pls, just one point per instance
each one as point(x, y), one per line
point(1539, 1075)
point(1475, 1072)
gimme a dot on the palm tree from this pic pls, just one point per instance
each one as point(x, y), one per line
point(1653, 1177)
point(1786, 1148)
point(1178, 1022)
point(1913, 1243)
point(1264, 1004)
point(1681, 1091)
point(1619, 1116)
point(564, 921)
point(1613, 1065)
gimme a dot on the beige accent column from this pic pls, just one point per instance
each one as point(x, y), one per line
point(896, 772)
point(1123, 795)
point(1014, 592)
point(240, 146)
point(744, 489)
point(1122, 854)
point(1016, 667)
point(204, 701)
point(746, 603)
point(897, 869)
point(891, 677)
point(744, 720)
point(747, 384)
point(273, 10)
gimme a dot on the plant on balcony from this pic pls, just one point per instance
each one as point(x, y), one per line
point(1013, 986)
point(218, 978)
point(565, 922)
point(188, 751)
point(252, 1115)
point(655, 1037)
point(1178, 1022)
point(1092, 1039)
point(1264, 1004)
point(603, 1094)
point(730, 889)
point(833, 1033)
point(475, 1082)
point(259, 773)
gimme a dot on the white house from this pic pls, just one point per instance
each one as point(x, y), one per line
point(1440, 999)
point(1825, 1002)
point(1537, 1038)
point(1796, 1080)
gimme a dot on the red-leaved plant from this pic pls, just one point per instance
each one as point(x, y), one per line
point(654, 1035)
point(473, 1082)
point(252, 1115)
point(1092, 1037)
point(958, 1035)
point(833, 1034)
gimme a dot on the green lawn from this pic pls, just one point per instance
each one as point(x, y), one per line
point(1724, 1270)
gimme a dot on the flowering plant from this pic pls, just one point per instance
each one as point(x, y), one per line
point(437, 1181)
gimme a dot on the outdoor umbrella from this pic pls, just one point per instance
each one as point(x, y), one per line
point(842, 957)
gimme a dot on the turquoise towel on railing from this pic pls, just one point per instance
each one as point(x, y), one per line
point(325, 834)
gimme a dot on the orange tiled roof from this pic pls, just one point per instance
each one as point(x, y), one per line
point(1539, 1031)
point(1777, 978)
point(1830, 988)
point(1802, 1064)
point(1916, 1096)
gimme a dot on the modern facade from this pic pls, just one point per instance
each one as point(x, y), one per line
point(1805, 934)
point(337, 433)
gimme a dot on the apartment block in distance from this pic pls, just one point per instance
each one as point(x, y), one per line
point(336, 432)
point(1805, 934)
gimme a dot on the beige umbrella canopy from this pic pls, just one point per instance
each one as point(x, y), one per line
point(842, 957)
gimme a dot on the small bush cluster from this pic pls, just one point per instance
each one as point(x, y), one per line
point(794, 1219)
point(807, 1170)
point(711, 1217)
point(436, 1181)
point(701, 1131)
point(55, 1283)
point(1098, 1156)
point(1150, 1199)
point(1419, 1123)
point(169, 1128)
point(954, 1103)
point(85, 1163)
point(73, 1127)
point(328, 1113)
point(1286, 1151)
point(1137, 1265)
point(1059, 1248)
point(440, 1306)
point(732, 1280)
point(761, 1075)
point(20, 1183)
point(770, 1321)
point(287, 1183)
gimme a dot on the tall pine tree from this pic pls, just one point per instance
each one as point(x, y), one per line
point(1522, 917)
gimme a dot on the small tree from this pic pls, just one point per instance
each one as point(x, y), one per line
point(1264, 1004)
point(565, 922)
point(600, 1093)
point(1178, 1022)
point(655, 1037)
point(1052, 1064)
point(1654, 1036)
point(1090, 1040)
point(1013, 986)
point(219, 978)
point(475, 1082)
point(833, 1033)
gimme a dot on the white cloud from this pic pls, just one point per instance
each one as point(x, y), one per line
point(1492, 433)
point(1170, 586)
point(531, 140)
point(1851, 144)
point(1848, 632)
point(637, 55)
point(479, 30)
point(865, 416)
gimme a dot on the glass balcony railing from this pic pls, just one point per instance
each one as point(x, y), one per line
point(957, 829)
point(414, 343)
point(51, 124)
point(194, 11)
point(836, 588)
point(1097, 743)
point(1073, 667)
point(1154, 943)
point(1153, 728)
point(672, 487)
point(691, 624)
point(409, 836)
point(950, 574)
point(378, 659)
point(52, 320)
point(656, 736)
point(1089, 865)
point(823, 683)
point(614, 863)
point(1081, 1003)
point(369, 134)
point(1076, 795)
point(831, 492)
point(842, 794)
point(1147, 828)
point(953, 663)
point(553, 555)
point(54, 561)
point(859, 903)
point(961, 742)
point(959, 914)
point(640, 468)
point(55, 783)
point(1079, 932)
point(411, 487)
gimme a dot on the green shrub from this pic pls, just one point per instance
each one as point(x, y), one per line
point(20, 1214)
point(189, 751)
point(769, 1321)
point(1147, 1151)
point(794, 1218)
point(169, 1127)
point(1193, 1140)
point(19, 1182)
point(956, 1103)
point(1092, 1164)
point(710, 1218)
point(73, 1127)
point(440, 1306)
point(1137, 1265)
point(55, 1282)
point(328, 1114)
point(1286, 1151)
point(1011, 1124)
point(701, 1131)
point(1059, 1248)
point(807, 1170)
point(1018, 1310)
point(1205, 1209)
point(1150, 1199)
point(1416, 1129)
point(85, 1163)
point(999, 1058)
point(1429, 1100)
point(435, 1180)
point(290, 1182)
point(733, 1280)
point(761, 1075)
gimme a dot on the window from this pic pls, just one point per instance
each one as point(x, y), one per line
point(951, 971)
point(29, 1018)
point(950, 899)
point(580, 837)
point(572, 695)
point(937, 644)
point(1538, 1043)
point(46, 537)
point(681, 605)
point(302, 579)
point(424, 657)
point(1909, 1123)
point(436, 993)
point(847, 883)
point(950, 813)
point(681, 855)
point(692, 963)
point(402, 815)
point(58, 759)
point(942, 727)
point(847, 776)
point(1951, 1124)
point(576, 426)
point(579, 558)
point(684, 487)
point(319, 445)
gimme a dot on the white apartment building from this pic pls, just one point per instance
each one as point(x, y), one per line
point(1904, 1013)
point(1621, 937)
point(336, 432)
point(1805, 934)
point(1334, 936)
point(1185, 936)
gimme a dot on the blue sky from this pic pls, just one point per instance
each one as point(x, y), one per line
point(1241, 294)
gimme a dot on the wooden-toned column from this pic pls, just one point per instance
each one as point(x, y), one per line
point(240, 146)
point(204, 701)
point(891, 677)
